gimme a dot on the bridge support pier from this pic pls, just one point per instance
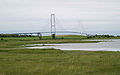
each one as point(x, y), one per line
point(53, 36)
point(40, 35)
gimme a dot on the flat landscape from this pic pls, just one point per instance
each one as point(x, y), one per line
point(17, 60)
point(59, 37)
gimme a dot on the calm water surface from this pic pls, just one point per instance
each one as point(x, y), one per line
point(110, 45)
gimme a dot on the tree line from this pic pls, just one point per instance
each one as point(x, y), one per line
point(14, 35)
point(101, 36)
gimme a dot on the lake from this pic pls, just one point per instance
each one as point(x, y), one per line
point(106, 45)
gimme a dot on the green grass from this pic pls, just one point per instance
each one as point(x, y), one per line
point(15, 42)
point(15, 60)
point(57, 62)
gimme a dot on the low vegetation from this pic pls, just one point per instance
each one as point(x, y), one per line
point(16, 60)
point(15, 42)
point(57, 62)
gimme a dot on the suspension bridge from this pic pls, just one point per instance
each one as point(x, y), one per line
point(53, 31)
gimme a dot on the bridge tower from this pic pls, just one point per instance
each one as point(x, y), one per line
point(53, 27)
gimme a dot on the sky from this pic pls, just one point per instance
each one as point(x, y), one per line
point(89, 16)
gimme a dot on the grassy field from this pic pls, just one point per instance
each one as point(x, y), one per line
point(15, 60)
point(13, 42)
point(57, 62)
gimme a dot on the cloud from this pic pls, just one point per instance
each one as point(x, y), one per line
point(36, 14)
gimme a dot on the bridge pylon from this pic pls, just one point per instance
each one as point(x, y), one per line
point(53, 27)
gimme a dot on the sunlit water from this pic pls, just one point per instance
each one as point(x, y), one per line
point(110, 45)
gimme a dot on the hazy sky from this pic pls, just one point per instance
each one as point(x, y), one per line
point(93, 16)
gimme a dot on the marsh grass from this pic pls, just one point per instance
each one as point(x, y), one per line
point(57, 62)
point(13, 42)
point(15, 60)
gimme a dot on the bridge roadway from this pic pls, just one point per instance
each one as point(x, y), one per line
point(40, 33)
